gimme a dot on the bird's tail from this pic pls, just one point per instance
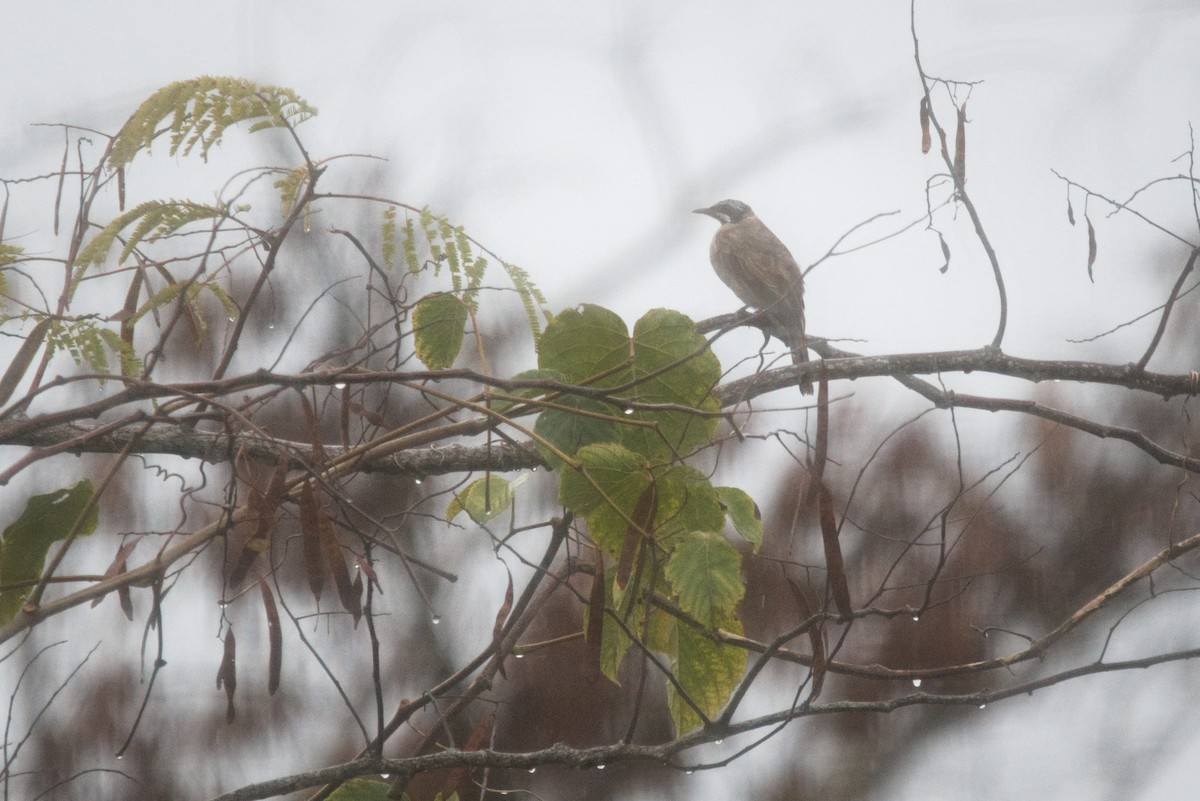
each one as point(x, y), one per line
point(800, 359)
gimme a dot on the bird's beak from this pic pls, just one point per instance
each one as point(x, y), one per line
point(707, 211)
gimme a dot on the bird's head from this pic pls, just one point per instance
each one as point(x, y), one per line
point(727, 211)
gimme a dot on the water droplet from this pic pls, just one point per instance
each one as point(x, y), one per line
point(436, 619)
point(385, 775)
point(916, 682)
point(601, 767)
point(271, 327)
point(418, 480)
point(533, 770)
point(340, 385)
point(519, 656)
point(629, 410)
point(719, 740)
point(689, 772)
point(916, 618)
point(222, 604)
point(230, 319)
point(983, 706)
point(120, 756)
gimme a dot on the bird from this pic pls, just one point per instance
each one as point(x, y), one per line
point(760, 270)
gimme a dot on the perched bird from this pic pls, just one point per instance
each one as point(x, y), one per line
point(762, 273)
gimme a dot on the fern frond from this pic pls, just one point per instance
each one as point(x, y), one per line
point(10, 253)
point(409, 243)
point(289, 187)
point(156, 219)
point(200, 110)
point(532, 298)
point(388, 235)
point(131, 365)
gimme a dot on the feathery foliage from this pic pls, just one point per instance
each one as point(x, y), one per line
point(155, 220)
point(200, 110)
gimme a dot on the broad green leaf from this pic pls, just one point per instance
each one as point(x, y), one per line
point(604, 491)
point(743, 513)
point(46, 519)
point(438, 323)
point(362, 790)
point(686, 502)
point(584, 342)
point(568, 432)
point(708, 671)
point(485, 498)
point(706, 572)
point(662, 338)
point(503, 405)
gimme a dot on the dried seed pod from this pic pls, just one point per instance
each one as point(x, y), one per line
point(926, 139)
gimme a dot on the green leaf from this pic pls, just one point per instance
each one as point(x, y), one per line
point(584, 342)
point(604, 491)
point(438, 323)
point(708, 671)
point(362, 790)
point(46, 519)
point(706, 572)
point(485, 498)
point(686, 502)
point(569, 432)
point(662, 338)
point(503, 405)
point(581, 344)
point(743, 513)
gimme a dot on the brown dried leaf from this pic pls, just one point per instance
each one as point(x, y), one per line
point(253, 545)
point(275, 489)
point(350, 598)
point(314, 430)
point(130, 307)
point(227, 673)
point(926, 140)
point(642, 526)
point(838, 585)
point(356, 592)
point(456, 779)
point(22, 360)
point(274, 637)
point(960, 147)
point(945, 253)
point(502, 613)
point(1070, 211)
point(116, 568)
point(263, 508)
point(344, 417)
point(310, 533)
point(816, 634)
point(372, 417)
point(595, 622)
point(368, 570)
point(1091, 247)
point(816, 470)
